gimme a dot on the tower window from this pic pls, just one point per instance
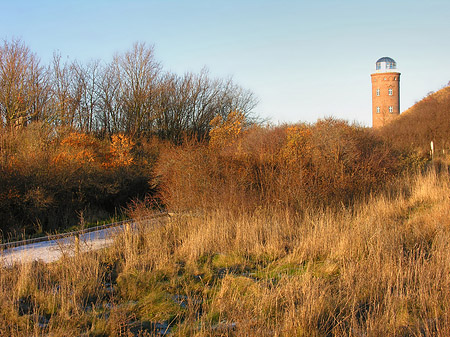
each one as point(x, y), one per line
point(378, 92)
point(391, 109)
point(378, 109)
point(390, 92)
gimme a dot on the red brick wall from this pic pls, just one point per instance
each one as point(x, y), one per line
point(384, 82)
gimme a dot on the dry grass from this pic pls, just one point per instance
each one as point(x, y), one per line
point(379, 269)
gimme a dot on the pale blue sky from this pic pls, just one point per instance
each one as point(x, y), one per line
point(304, 60)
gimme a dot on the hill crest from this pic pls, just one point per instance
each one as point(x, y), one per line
point(427, 120)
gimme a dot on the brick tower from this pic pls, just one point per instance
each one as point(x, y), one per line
point(385, 92)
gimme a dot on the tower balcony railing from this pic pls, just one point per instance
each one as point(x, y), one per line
point(386, 70)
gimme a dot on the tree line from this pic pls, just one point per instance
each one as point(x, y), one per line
point(131, 95)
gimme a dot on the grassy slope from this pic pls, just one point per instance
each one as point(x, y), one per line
point(428, 120)
point(382, 269)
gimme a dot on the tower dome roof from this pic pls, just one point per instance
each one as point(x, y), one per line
point(386, 59)
point(386, 64)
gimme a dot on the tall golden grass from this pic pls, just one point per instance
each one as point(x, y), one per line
point(380, 268)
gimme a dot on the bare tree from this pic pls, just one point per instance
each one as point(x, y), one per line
point(63, 110)
point(138, 77)
point(22, 84)
point(188, 103)
point(86, 83)
point(130, 95)
point(109, 116)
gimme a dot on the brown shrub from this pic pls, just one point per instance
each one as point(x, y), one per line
point(330, 162)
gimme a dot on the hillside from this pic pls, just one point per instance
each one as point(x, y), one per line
point(294, 230)
point(428, 120)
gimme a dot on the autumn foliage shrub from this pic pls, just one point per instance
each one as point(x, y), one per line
point(49, 178)
point(336, 161)
point(326, 163)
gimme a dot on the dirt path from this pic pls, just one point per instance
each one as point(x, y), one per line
point(52, 250)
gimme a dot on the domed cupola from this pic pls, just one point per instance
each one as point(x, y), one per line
point(386, 64)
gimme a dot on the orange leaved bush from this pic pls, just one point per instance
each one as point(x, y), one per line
point(119, 153)
point(80, 149)
point(76, 149)
point(225, 131)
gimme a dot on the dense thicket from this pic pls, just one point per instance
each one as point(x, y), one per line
point(294, 166)
point(51, 181)
point(130, 95)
